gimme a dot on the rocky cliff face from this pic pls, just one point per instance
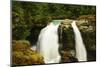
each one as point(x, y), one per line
point(87, 27)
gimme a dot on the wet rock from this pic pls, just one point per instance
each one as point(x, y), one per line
point(66, 57)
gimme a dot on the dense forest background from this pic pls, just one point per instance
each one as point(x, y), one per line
point(26, 15)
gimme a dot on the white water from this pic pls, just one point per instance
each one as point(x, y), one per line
point(47, 44)
point(81, 53)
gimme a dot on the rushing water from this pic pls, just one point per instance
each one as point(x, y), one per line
point(81, 53)
point(47, 44)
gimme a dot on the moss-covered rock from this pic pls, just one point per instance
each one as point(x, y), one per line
point(88, 31)
point(23, 55)
point(66, 35)
point(87, 27)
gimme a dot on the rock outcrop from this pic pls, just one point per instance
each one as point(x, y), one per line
point(87, 27)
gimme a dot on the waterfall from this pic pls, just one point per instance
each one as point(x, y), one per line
point(81, 54)
point(48, 45)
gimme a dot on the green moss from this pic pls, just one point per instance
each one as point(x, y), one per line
point(22, 54)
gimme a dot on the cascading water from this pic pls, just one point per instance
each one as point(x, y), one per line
point(81, 53)
point(48, 45)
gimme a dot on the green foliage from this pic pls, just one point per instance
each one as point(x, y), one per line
point(22, 54)
point(27, 14)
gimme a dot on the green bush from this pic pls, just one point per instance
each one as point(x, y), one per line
point(27, 14)
point(22, 54)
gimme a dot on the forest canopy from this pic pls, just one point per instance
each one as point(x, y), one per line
point(25, 15)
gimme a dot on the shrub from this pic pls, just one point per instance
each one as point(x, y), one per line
point(22, 54)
